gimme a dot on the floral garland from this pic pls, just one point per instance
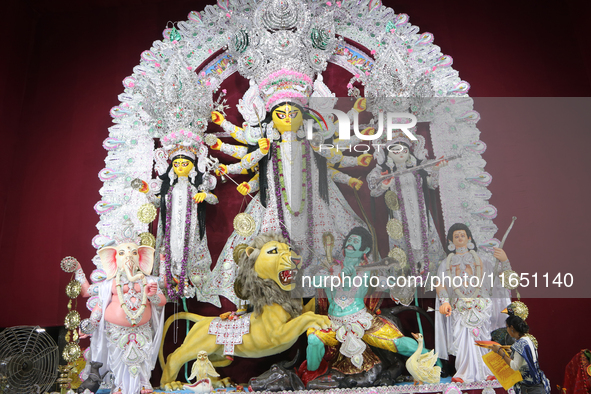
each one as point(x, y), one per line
point(411, 258)
point(475, 293)
point(132, 317)
point(172, 294)
point(423, 210)
point(278, 178)
point(310, 207)
point(280, 216)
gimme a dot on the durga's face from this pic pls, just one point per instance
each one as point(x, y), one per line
point(182, 167)
point(287, 118)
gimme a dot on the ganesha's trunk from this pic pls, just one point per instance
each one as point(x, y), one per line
point(131, 269)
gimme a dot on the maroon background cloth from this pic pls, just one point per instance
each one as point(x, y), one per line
point(62, 66)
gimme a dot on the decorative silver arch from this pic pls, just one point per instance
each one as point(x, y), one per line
point(401, 62)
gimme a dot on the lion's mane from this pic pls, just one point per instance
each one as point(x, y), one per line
point(260, 292)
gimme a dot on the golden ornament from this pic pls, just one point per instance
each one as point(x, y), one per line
point(71, 352)
point(69, 264)
point(244, 224)
point(392, 200)
point(64, 380)
point(68, 336)
point(398, 255)
point(533, 339)
point(72, 320)
point(146, 213)
point(69, 304)
point(238, 250)
point(509, 277)
point(74, 335)
point(147, 239)
point(394, 229)
point(73, 289)
point(519, 309)
point(74, 374)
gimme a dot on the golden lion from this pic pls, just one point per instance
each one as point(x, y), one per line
point(265, 278)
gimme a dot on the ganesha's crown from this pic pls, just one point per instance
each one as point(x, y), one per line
point(126, 234)
point(281, 47)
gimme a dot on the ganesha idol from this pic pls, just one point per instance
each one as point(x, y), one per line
point(126, 323)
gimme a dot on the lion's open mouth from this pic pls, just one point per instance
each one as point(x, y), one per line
point(287, 276)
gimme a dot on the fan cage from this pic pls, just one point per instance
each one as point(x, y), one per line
point(28, 360)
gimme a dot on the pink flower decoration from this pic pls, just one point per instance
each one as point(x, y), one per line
point(202, 73)
point(284, 72)
point(190, 134)
point(373, 52)
point(189, 68)
point(173, 135)
point(391, 30)
point(367, 73)
point(175, 41)
point(410, 50)
point(228, 15)
point(209, 50)
point(131, 84)
point(328, 3)
point(356, 75)
point(157, 64)
point(338, 3)
point(349, 86)
point(224, 91)
point(284, 95)
point(208, 83)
